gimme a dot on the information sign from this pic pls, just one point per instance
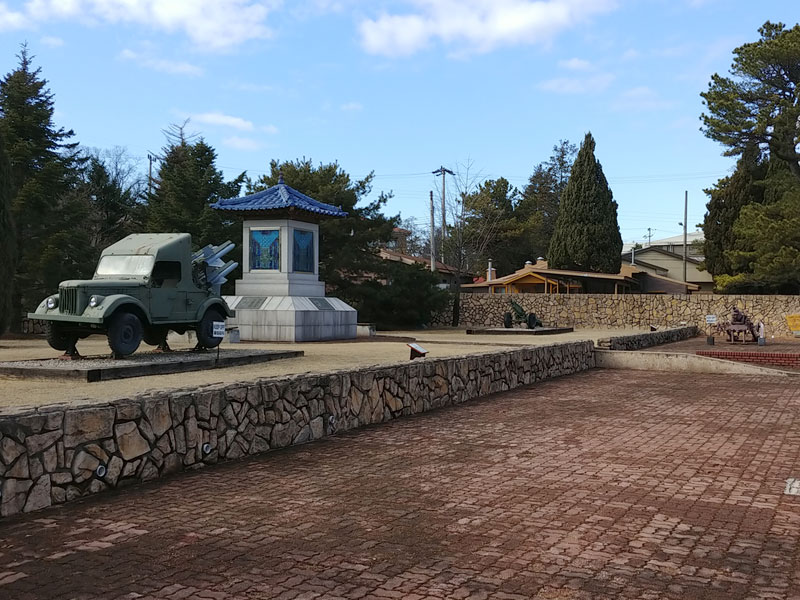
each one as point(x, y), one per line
point(218, 331)
point(711, 319)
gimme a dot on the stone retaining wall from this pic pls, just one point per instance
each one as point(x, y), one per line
point(648, 339)
point(625, 310)
point(57, 454)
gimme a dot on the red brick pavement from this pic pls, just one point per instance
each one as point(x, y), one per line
point(609, 484)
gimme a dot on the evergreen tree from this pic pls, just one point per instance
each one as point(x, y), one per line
point(726, 200)
point(537, 211)
point(8, 249)
point(768, 246)
point(347, 245)
point(586, 235)
point(188, 181)
point(758, 105)
point(44, 166)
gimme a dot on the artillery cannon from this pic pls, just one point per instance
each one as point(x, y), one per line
point(518, 315)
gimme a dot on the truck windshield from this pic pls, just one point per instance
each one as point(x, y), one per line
point(125, 265)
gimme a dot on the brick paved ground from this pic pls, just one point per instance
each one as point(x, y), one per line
point(607, 484)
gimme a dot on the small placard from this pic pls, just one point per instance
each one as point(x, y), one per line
point(792, 486)
point(418, 348)
point(218, 331)
point(711, 319)
point(793, 321)
point(321, 303)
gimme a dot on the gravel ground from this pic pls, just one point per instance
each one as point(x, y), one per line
point(20, 394)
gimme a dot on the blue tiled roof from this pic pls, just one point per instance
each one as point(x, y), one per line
point(278, 197)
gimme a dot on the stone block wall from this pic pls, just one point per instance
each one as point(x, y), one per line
point(57, 454)
point(625, 310)
point(648, 339)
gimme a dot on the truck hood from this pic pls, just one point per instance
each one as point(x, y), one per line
point(103, 284)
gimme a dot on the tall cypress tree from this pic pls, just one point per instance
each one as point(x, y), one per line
point(8, 249)
point(586, 235)
point(44, 165)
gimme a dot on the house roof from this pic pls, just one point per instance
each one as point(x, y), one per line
point(541, 268)
point(279, 197)
point(396, 256)
point(626, 258)
point(661, 251)
point(678, 239)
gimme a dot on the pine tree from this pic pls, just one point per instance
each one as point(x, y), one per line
point(726, 200)
point(8, 249)
point(188, 182)
point(44, 166)
point(586, 235)
point(347, 245)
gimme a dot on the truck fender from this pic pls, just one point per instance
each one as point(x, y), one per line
point(215, 303)
point(112, 304)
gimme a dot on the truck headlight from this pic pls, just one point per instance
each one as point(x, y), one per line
point(52, 302)
point(95, 301)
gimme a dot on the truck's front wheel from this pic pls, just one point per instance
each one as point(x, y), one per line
point(58, 339)
point(124, 333)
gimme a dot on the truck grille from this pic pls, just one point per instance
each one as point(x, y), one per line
point(68, 301)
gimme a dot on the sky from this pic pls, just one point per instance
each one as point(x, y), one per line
point(485, 88)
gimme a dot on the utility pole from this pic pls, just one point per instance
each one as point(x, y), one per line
point(442, 171)
point(649, 235)
point(685, 219)
point(433, 238)
point(150, 159)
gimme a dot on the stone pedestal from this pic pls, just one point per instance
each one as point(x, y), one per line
point(292, 318)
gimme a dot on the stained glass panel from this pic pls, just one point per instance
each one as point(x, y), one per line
point(265, 249)
point(303, 251)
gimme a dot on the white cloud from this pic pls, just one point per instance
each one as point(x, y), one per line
point(173, 67)
point(242, 143)
point(12, 19)
point(270, 129)
point(631, 54)
point(641, 98)
point(52, 41)
point(575, 64)
point(477, 25)
point(222, 120)
point(351, 106)
point(210, 24)
point(576, 85)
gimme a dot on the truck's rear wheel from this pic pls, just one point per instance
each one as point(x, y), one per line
point(124, 333)
point(58, 339)
point(205, 328)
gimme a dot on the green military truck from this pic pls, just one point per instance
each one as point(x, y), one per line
point(144, 286)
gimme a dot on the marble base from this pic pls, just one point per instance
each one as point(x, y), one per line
point(292, 318)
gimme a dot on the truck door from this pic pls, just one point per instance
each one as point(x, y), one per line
point(163, 290)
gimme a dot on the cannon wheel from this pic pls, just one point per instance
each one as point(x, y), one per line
point(532, 321)
point(507, 320)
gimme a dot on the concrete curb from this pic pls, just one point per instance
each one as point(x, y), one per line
point(678, 362)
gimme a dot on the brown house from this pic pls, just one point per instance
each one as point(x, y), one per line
point(539, 278)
